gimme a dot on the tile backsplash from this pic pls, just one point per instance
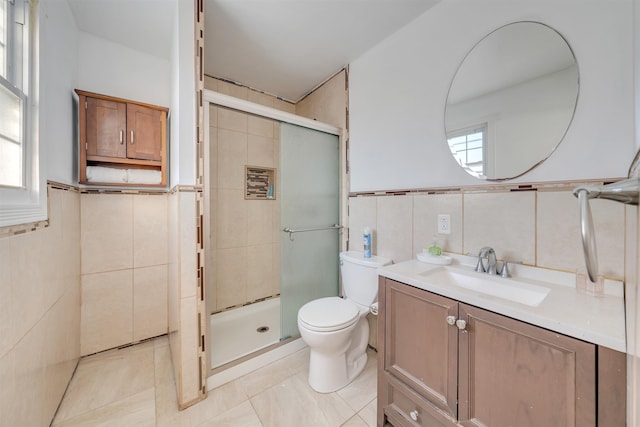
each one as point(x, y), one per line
point(540, 227)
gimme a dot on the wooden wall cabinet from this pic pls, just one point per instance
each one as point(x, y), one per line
point(446, 363)
point(121, 134)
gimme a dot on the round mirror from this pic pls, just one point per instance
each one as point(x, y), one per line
point(511, 101)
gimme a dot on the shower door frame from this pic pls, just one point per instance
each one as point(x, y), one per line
point(219, 99)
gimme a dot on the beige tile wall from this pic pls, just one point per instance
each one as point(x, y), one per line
point(40, 314)
point(506, 221)
point(327, 103)
point(124, 242)
point(244, 229)
point(173, 283)
point(540, 228)
point(244, 245)
point(182, 298)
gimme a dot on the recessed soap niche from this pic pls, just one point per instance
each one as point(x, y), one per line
point(259, 183)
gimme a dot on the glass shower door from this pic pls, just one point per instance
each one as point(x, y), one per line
point(310, 206)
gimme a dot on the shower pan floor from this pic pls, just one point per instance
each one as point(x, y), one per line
point(235, 333)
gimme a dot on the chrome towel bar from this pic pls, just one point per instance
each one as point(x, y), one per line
point(291, 231)
point(626, 192)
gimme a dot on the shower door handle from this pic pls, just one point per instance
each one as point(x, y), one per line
point(292, 231)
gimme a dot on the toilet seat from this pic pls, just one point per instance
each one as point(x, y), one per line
point(328, 314)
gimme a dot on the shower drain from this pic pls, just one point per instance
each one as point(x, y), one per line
point(263, 329)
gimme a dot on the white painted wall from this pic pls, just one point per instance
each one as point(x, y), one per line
point(183, 91)
point(72, 59)
point(174, 119)
point(636, 51)
point(398, 91)
point(113, 69)
point(59, 60)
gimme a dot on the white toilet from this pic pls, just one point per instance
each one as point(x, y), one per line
point(336, 329)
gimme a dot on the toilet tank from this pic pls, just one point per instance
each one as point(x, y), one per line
point(359, 276)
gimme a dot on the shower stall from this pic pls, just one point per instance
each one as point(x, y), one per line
point(273, 225)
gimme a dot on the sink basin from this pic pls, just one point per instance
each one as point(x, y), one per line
point(506, 288)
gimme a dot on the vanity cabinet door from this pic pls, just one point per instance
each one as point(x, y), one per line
point(420, 348)
point(515, 374)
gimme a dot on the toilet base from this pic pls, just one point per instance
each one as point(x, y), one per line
point(332, 370)
point(329, 374)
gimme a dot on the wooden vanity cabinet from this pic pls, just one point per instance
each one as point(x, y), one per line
point(420, 349)
point(513, 373)
point(446, 363)
point(120, 133)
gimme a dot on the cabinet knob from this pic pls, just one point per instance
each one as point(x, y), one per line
point(121, 136)
point(461, 324)
point(414, 415)
point(451, 320)
point(132, 137)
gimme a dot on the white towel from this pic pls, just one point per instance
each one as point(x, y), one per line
point(107, 175)
point(143, 176)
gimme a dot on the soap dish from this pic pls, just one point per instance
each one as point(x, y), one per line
point(433, 259)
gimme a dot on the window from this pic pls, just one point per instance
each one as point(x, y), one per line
point(22, 190)
point(468, 148)
point(13, 37)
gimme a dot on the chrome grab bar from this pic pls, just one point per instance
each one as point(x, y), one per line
point(626, 192)
point(588, 236)
point(291, 231)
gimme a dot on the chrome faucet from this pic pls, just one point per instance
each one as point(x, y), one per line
point(492, 261)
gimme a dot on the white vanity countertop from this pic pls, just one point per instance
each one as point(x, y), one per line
point(597, 319)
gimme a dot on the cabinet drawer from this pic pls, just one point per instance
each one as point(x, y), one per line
point(404, 407)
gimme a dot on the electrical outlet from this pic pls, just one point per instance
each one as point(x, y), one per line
point(444, 223)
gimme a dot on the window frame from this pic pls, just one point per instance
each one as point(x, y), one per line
point(6, 85)
point(482, 128)
point(28, 204)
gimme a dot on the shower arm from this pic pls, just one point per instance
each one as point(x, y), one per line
point(626, 192)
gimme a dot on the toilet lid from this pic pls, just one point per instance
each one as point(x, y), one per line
point(328, 314)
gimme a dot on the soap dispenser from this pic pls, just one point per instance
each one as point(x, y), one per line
point(435, 249)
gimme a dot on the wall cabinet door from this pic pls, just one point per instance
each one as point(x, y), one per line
point(143, 132)
point(105, 128)
point(420, 347)
point(122, 130)
point(516, 374)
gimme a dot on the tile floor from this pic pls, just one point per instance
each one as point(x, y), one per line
point(135, 387)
